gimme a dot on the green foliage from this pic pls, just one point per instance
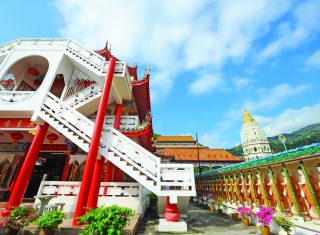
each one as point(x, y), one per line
point(106, 220)
point(219, 202)
point(305, 136)
point(19, 218)
point(50, 220)
point(153, 198)
point(155, 135)
point(283, 222)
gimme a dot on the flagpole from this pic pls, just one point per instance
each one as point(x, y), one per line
point(197, 144)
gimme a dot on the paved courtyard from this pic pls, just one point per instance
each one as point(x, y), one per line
point(200, 221)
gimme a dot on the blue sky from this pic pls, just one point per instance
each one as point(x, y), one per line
point(208, 58)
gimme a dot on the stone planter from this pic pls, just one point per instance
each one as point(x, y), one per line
point(9, 231)
point(46, 232)
point(265, 230)
point(246, 222)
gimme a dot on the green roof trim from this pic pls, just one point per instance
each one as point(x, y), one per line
point(278, 157)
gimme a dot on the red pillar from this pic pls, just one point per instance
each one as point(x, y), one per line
point(27, 167)
point(94, 145)
point(98, 168)
point(117, 171)
point(65, 169)
point(108, 176)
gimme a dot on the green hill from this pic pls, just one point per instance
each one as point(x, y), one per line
point(304, 136)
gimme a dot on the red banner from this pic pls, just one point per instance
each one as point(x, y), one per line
point(17, 123)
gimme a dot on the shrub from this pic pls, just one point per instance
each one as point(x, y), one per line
point(153, 198)
point(284, 223)
point(244, 211)
point(219, 202)
point(19, 218)
point(50, 220)
point(264, 215)
point(106, 220)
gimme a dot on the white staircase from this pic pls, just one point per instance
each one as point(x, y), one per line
point(162, 179)
point(85, 96)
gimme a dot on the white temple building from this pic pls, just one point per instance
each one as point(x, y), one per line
point(254, 140)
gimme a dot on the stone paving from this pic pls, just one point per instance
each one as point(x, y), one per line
point(200, 221)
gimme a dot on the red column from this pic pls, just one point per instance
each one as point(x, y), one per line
point(98, 169)
point(27, 167)
point(108, 176)
point(117, 171)
point(94, 145)
point(65, 169)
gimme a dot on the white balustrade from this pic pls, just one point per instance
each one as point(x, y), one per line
point(92, 57)
point(126, 194)
point(132, 152)
point(69, 116)
point(14, 96)
point(126, 122)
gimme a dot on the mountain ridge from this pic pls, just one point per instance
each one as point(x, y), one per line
point(303, 136)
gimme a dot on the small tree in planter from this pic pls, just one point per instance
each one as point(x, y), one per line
point(219, 204)
point(284, 223)
point(245, 213)
point(264, 216)
point(106, 220)
point(48, 223)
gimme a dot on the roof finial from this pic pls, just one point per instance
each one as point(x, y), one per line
point(247, 117)
point(110, 48)
point(106, 47)
point(147, 72)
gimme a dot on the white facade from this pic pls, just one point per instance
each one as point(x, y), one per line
point(254, 140)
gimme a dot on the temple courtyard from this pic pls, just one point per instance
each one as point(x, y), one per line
point(200, 220)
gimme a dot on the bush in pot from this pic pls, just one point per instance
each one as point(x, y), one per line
point(219, 204)
point(284, 223)
point(264, 216)
point(48, 223)
point(245, 213)
point(106, 220)
point(211, 200)
point(17, 218)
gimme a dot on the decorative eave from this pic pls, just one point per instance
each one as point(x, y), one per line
point(292, 154)
point(133, 72)
point(144, 135)
point(141, 93)
point(106, 52)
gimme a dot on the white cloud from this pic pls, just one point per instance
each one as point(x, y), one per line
point(172, 34)
point(306, 18)
point(241, 82)
point(292, 119)
point(213, 140)
point(275, 96)
point(314, 59)
point(205, 83)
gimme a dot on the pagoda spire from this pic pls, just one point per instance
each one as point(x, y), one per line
point(247, 118)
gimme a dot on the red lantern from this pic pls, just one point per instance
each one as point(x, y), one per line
point(33, 71)
point(16, 137)
point(52, 137)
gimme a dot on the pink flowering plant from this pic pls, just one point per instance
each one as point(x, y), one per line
point(264, 215)
point(244, 211)
point(19, 218)
point(211, 198)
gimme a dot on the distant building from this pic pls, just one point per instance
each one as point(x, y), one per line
point(183, 149)
point(254, 140)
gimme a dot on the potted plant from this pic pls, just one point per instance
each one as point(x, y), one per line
point(219, 204)
point(48, 223)
point(105, 220)
point(16, 218)
point(211, 201)
point(264, 216)
point(284, 223)
point(235, 215)
point(245, 213)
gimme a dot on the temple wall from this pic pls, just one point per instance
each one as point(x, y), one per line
point(295, 194)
